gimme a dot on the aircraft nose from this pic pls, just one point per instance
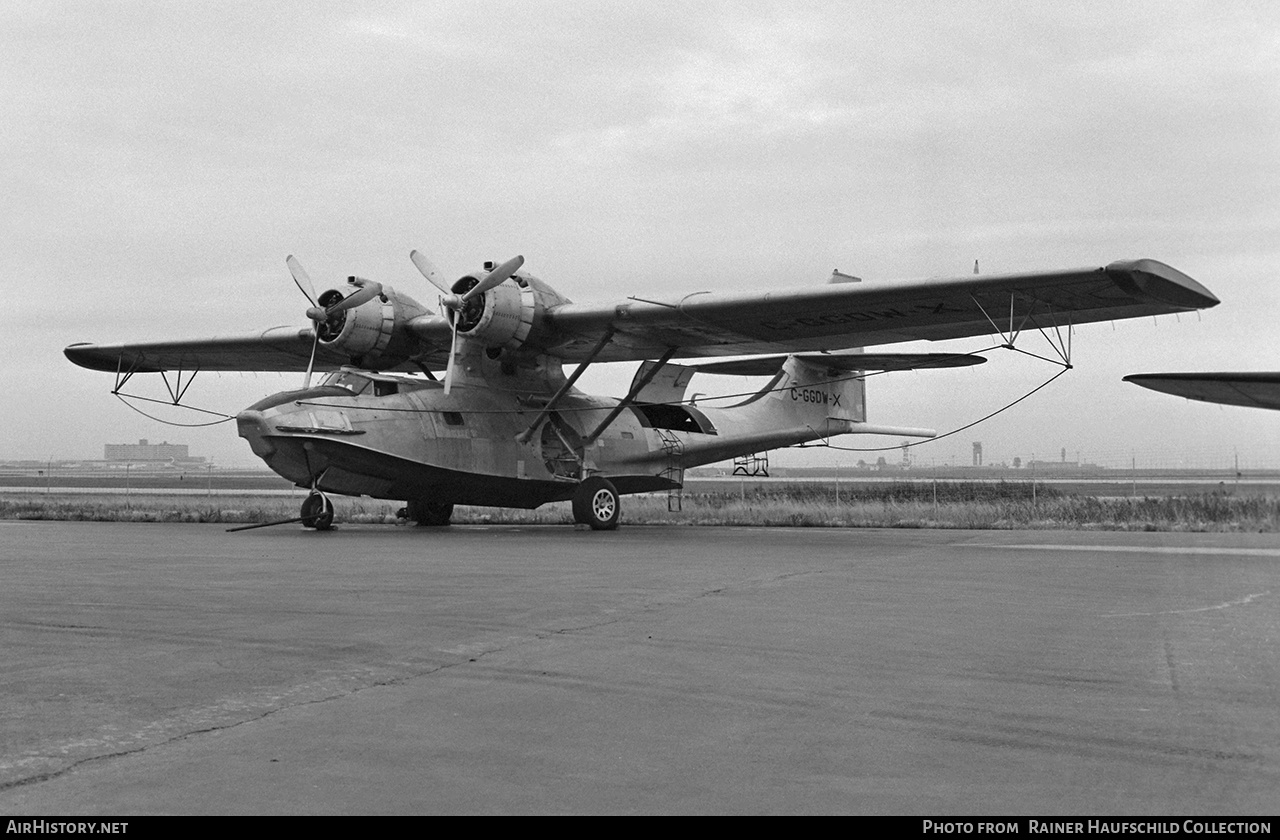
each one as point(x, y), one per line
point(252, 425)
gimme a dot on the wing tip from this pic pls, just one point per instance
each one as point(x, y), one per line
point(1154, 279)
point(81, 354)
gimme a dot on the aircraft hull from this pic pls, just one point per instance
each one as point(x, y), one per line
point(459, 449)
point(507, 445)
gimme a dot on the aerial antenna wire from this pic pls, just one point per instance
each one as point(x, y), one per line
point(936, 437)
point(124, 398)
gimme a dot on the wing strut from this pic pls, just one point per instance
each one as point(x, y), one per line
point(524, 436)
point(1061, 346)
point(123, 376)
point(636, 387)
point(177, 390)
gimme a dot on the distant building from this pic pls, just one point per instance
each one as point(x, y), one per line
point(1053, 466)
point(143, 451)
point(1062, 466)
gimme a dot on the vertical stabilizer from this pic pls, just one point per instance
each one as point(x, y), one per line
point(812, 394)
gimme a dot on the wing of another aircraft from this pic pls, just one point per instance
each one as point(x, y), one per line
point(1255, 390)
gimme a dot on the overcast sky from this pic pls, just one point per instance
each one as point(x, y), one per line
point(160, 160)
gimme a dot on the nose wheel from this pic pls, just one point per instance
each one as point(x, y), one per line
point(317, 512)
point(596, 503)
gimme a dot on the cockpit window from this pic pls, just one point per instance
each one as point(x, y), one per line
point(353, 382)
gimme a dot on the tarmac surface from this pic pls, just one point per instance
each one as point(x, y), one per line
point(167, 668)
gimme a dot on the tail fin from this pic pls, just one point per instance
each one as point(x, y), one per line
point(823, 398)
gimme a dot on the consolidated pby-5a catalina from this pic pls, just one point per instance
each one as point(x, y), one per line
point(504, 426)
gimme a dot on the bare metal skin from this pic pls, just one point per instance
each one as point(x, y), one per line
point(505, 426)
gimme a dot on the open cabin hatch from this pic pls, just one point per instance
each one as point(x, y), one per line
point(680, 418)
point(659, 389)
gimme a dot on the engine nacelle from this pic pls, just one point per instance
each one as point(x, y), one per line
point(509, 316)
point(376, 334)
point(373, 334)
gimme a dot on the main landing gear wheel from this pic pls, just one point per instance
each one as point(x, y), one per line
point(432, 514)
point(317, 512)
point(595, 503)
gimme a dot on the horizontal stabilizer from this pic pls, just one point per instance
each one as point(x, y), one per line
point(1255, 390)
point(769, 365)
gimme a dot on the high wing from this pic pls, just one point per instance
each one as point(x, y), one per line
point(846, 315)
point(275, 349)
point(399, 334)
point(1255, 390)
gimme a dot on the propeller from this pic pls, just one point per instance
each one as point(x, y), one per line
point(455, 302)
point(368, 291)
point(494, 278)
point(429, 271)
point(322, 314)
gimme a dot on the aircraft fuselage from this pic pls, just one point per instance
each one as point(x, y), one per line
point(490, 441)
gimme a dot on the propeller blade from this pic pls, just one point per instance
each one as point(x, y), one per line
point(368, 292)
point(301, 279)
point(429, 271)
point(311, 363)
point(494, 278)
point(453, 347)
